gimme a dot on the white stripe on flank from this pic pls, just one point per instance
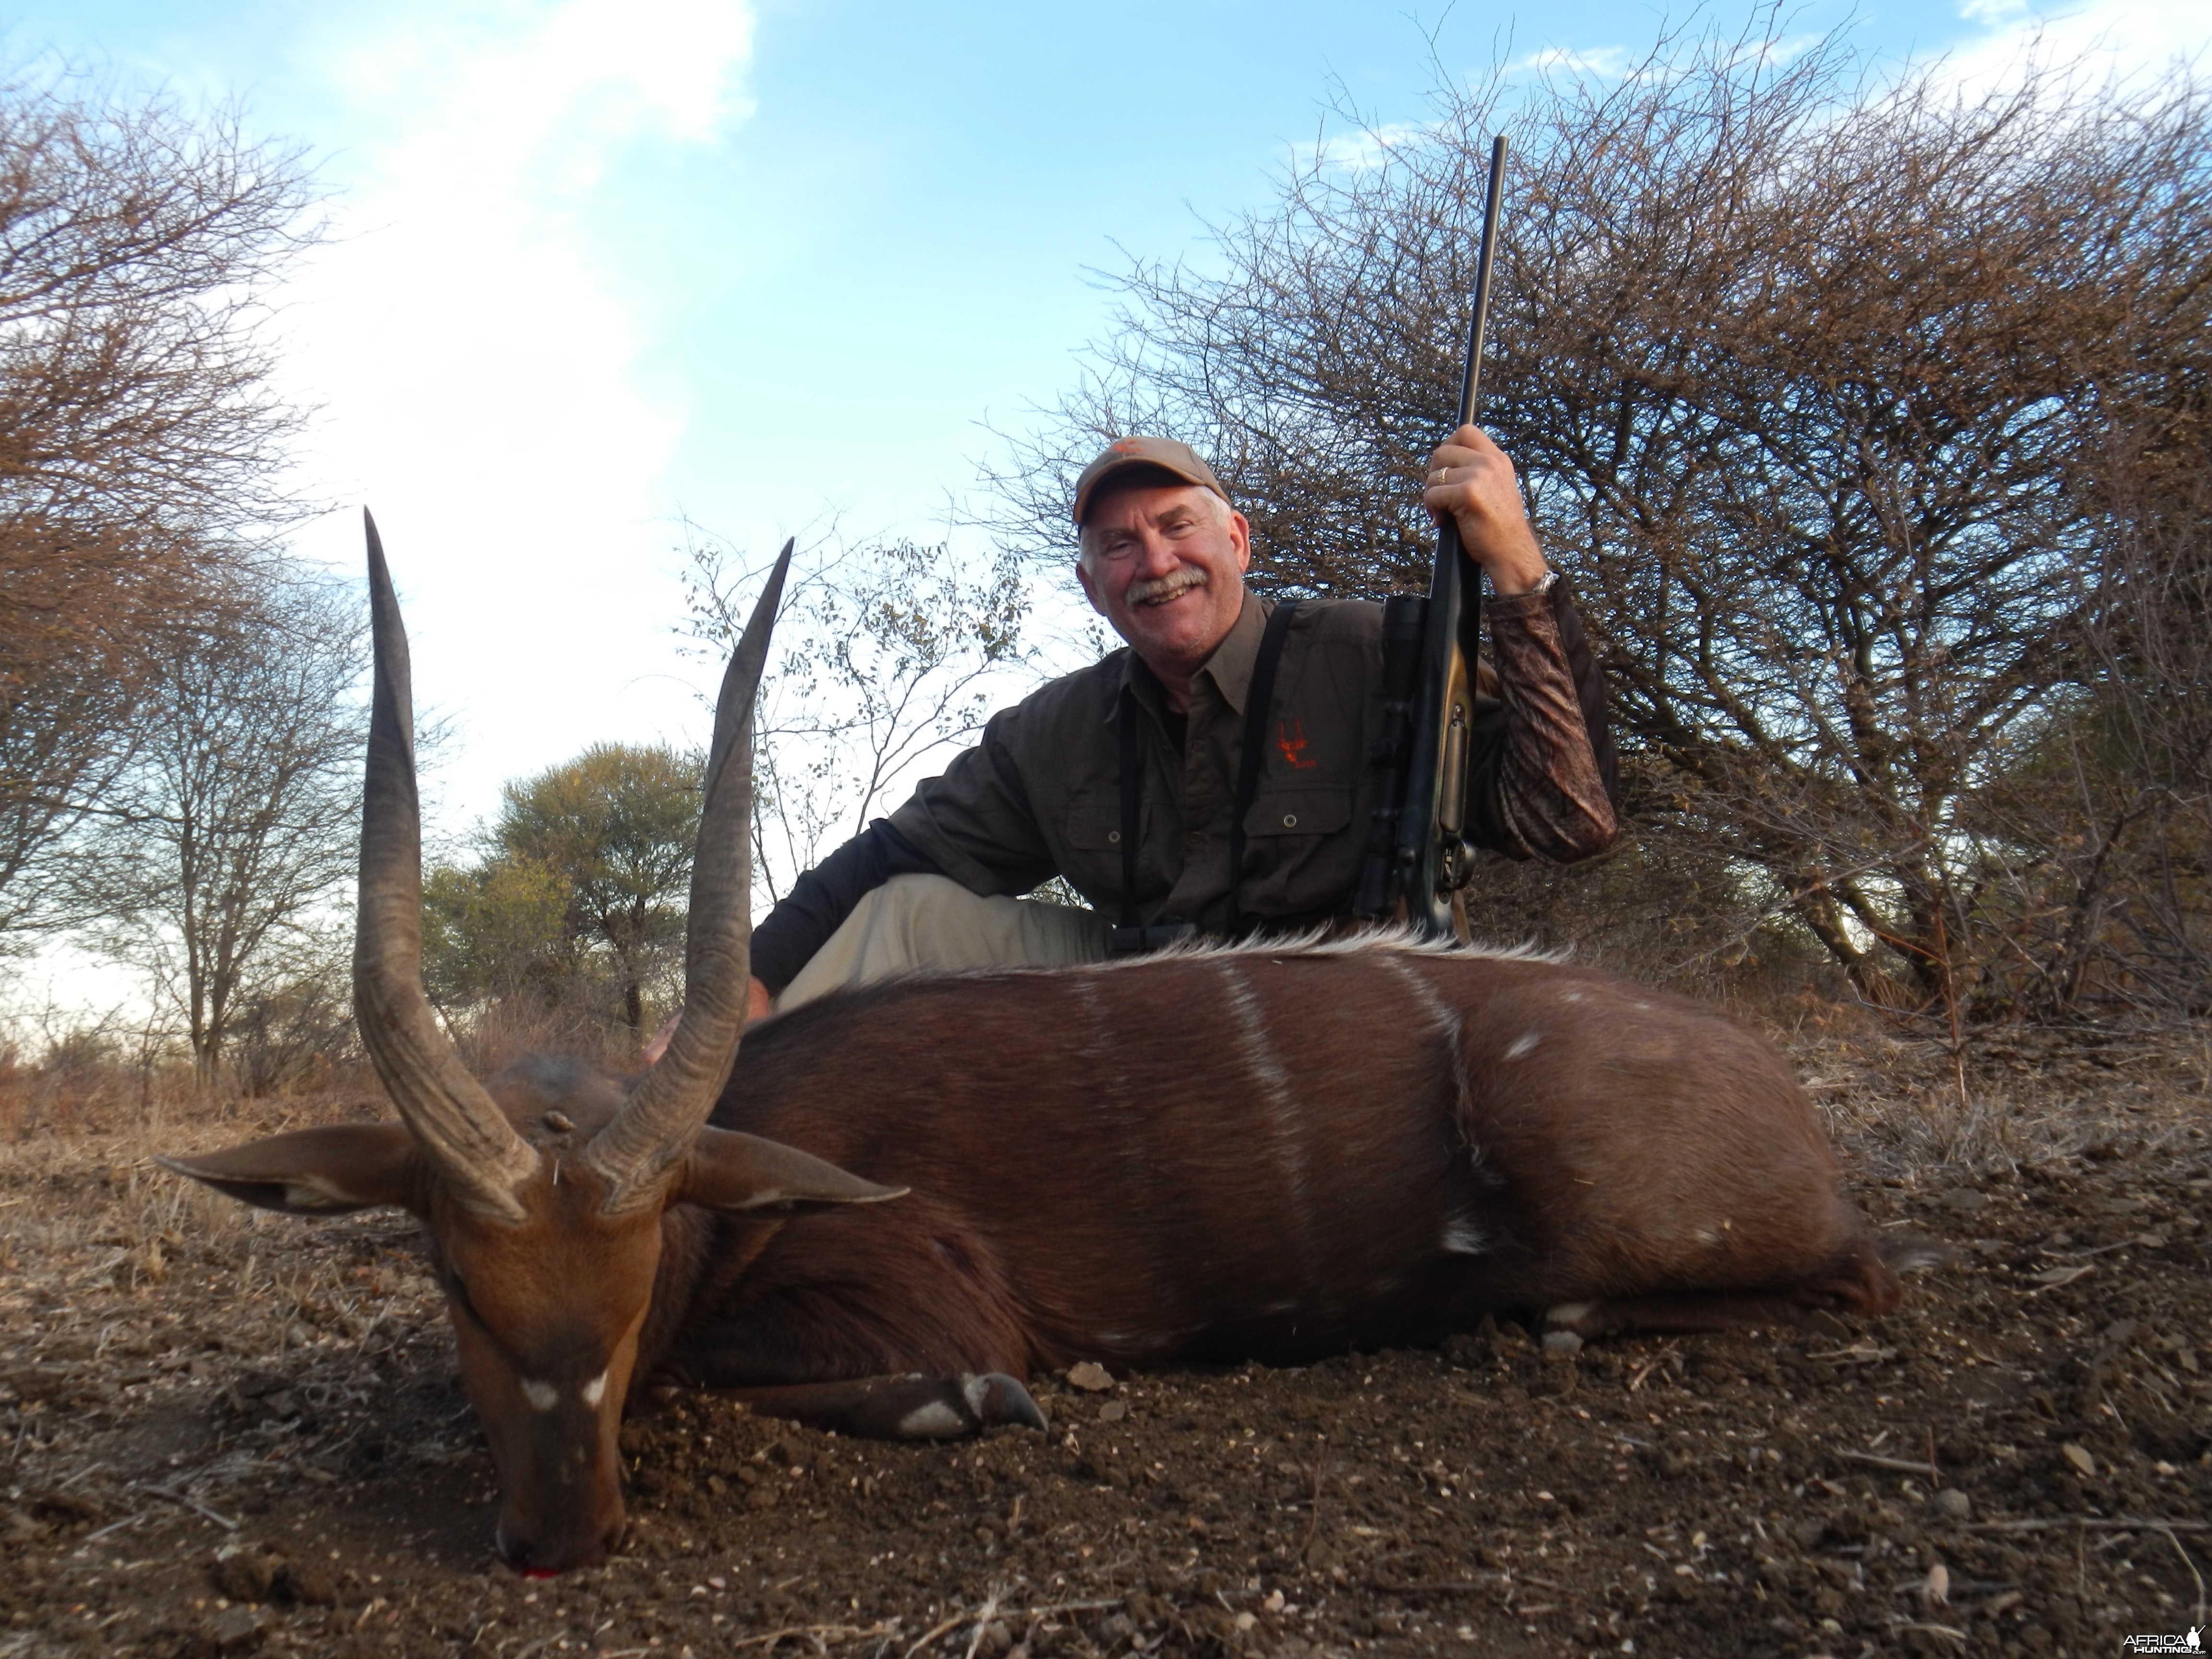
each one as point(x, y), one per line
point(1266, 1068)
point(595, 1390)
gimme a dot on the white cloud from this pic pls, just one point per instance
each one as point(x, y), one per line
point(1603, 63)
point(1369, 148)
point(2122, 38)
point(468, 339)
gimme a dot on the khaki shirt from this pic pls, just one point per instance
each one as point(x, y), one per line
point(1040, 795)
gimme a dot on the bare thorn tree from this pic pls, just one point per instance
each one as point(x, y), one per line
point(237, 818)
point(891, 656)
point(140, 441)
point(1823, 384)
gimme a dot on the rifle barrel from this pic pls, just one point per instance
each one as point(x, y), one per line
point(1470, 387)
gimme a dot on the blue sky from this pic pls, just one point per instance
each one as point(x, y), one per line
point(596, 264)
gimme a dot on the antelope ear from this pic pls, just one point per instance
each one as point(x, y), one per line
point(728, 1171)
point(352, 1166)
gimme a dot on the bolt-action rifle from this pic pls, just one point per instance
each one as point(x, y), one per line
point(1416, 855)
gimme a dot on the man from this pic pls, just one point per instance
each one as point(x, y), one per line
point(1046, 793)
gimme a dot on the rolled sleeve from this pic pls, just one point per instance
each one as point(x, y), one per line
point(1551, 790)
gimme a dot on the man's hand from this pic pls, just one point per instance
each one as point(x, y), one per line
point(757, 1009)
point(1470, 478)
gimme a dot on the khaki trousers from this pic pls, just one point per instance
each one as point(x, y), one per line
point(931, 924)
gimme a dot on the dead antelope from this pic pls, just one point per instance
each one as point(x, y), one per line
point(1274, 1151)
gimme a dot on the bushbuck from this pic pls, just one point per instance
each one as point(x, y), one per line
point(910, 1197)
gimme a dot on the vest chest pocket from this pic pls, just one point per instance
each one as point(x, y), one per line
point(1094, 825)
point(1298, 812)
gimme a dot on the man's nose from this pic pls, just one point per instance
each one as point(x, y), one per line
point(1154, 555)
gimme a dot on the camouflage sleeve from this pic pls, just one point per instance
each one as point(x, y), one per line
point(1553, 798)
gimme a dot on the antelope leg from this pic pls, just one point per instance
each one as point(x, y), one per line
point(907, 1407)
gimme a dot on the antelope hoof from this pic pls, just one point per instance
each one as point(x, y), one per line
point(1581, 1319)
point(994, 1397)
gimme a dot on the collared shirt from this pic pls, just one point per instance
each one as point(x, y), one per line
point(1040, 794)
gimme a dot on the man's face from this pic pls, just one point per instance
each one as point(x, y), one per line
point(1165, 565)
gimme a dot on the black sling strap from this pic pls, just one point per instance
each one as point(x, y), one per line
point(1259, 702)
point(1131, 935)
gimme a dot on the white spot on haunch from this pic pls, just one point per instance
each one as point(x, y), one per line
point(542, 1396)
point(1570, 996)
point(1708, 1236)
point(1568, 1314)
point(935, 1421)
point(1522, 1044)
point(595, 1390)
point(1462, 1237)
point(1281, 1308)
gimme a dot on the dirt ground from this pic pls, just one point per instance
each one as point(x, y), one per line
point(229, 1433)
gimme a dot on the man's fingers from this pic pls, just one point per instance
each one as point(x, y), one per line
point(1471, 480)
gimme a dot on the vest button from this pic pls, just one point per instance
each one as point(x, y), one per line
point(1290, 820)
point(1113, 837)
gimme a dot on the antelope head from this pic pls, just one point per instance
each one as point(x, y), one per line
point(542, 1192)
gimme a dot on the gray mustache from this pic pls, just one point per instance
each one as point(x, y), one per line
point(1155, 589)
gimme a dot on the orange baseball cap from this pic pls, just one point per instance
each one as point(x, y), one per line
point(1159, 454)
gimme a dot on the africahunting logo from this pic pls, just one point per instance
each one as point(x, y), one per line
point(2192, 1643)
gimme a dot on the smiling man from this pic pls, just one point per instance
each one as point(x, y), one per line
point(1213, 778)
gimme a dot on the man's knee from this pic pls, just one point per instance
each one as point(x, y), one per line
point(931, 924)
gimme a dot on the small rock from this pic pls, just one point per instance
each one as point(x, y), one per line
point(1465, 1350)
point(1937, 1588)
point(1810, 1534)
point(2080, 1457)
point(1965, 1200)
point(1953, 1504)
point(1090, 1376)
point(1562, 1342)
point(245, 1572)
point(1113, 1411)
point(240, 1630)
point(309, 1583)
point(2121, 1332)
point(1821, 1322)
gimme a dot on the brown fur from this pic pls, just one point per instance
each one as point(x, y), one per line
point(1258, 1154)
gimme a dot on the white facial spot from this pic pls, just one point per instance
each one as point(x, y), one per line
point(1521, 1045)
point(935, 1421)
point(1570, 996)
point(1462, 1237)
point(1708, 1236)
point(542, 1396)
point(595, 1390)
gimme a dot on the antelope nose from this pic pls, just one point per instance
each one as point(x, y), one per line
point(536, 1557)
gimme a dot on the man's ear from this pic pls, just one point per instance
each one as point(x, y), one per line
point(1083, 575)
point(352, 1166)
point(728, 1171)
